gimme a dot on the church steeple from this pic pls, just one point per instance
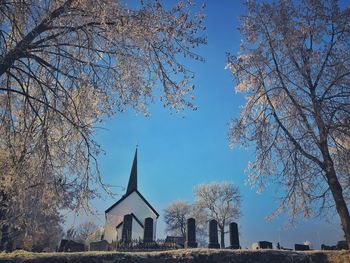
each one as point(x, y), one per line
point(132, 185)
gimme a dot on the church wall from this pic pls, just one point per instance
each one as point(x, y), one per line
point(137, 230)
point(119, 232)
point(132, 204)
point(154, 229)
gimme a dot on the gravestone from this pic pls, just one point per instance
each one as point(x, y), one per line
point(301, 247)
point(99, 246)
point(234, 238)
point(325, 247)
point(127, 228)
point(264, 245)
point(342, 245)
point(148, 230)
point(213, 234)
point(173, 241)
point(191, 233)
point(37, 248)
point(70, 246)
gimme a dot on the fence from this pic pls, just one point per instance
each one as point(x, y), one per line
point(139, 245)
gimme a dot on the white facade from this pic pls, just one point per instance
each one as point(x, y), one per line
point(132, 203)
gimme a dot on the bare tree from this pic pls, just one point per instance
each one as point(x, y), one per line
point(29, 215)
point(42, 235)
point(175, 218)
point(71, 233)
point(84, 230)
point(221, 201)
point(294, 69)
point(64, 66)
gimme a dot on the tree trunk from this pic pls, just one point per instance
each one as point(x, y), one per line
point(5, 241)
point(4, 228)
point(328, 166)
point(222, 237)
point(340, 204)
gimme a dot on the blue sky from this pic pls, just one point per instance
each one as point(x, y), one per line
point(180, 150)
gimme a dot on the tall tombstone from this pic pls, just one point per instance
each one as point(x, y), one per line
point(127, 228)
point(213, 234)
point(191, 233)
point(234, 238)
point(301, 247)
point(148, 230)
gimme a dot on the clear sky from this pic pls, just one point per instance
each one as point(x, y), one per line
point(178, 151)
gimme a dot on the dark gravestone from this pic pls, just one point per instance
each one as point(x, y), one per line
point(213, 234)
point(342, 245)
point(234, 238)
point(70, 246)
point(325, 247)
point(37, 248)
point(127, 228)
point(62, 245)
point(191, 233)
point(178, 242)
point(99, 246)
point(301, 247)
point(148, 230)
point(265, 245)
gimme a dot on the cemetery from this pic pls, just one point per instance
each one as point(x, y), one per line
point(131, 226)
point(147, 243)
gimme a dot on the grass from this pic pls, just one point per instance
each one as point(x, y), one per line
point(180, 255)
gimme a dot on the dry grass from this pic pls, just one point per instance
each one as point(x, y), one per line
point(182, 255)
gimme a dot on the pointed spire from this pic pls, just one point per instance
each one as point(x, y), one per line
point(132, 185)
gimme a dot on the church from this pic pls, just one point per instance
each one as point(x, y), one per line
point(126, 219)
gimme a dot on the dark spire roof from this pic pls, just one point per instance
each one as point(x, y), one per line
point(132, 185)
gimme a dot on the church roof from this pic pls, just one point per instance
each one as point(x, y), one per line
point(132, 187)
point(126, 195)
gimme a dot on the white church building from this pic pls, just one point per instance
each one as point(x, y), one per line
point(132, 208)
